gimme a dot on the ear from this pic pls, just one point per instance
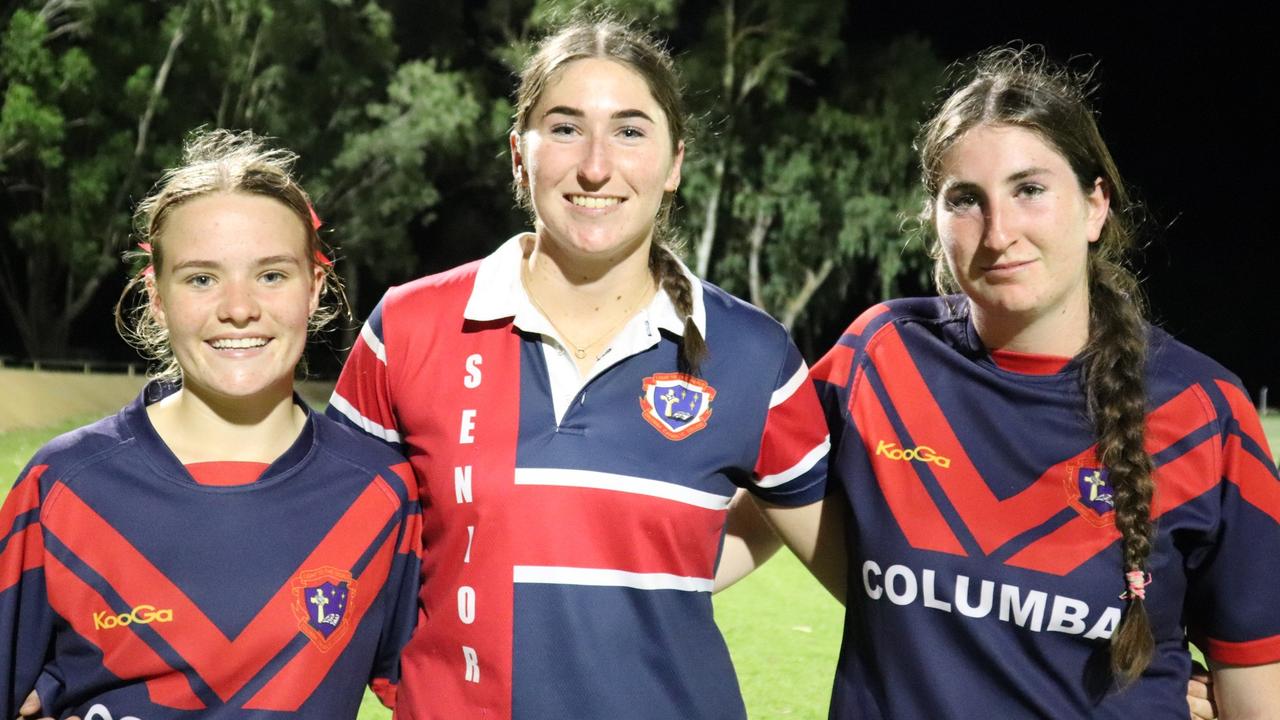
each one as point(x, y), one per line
point(155, 305)
point(1098, 208)
point(317, 286)
point(517, 160)
point(673, 177)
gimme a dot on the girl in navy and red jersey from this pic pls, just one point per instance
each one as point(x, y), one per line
point(1043, 494)
point(215, 549)
point(579, 410)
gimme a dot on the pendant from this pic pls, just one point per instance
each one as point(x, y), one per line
point(580, 352)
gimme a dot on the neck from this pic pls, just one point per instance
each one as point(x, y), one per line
point(201, 426)
point(586, 291)
point(1063, 331)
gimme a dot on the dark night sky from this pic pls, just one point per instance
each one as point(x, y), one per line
point(1185, 107)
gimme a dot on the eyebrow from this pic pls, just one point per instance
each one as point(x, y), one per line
point(575, 112)
point(1015, 177)
point(260, 262)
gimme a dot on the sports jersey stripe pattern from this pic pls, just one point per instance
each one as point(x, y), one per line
point(202, 602)
point(558, 575)
point(982, 525)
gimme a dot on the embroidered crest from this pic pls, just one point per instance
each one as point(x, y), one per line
point(320, 601)
point(675, 404)
point(1089, 491)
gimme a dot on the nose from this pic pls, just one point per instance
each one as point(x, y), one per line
point(997, 231)
point(239, 303)
point(596, 166)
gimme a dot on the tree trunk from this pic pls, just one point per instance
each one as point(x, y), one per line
point(812, 281)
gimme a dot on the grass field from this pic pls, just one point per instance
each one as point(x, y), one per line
point(783, 630)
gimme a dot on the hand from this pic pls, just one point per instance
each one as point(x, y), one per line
point(1200, 694)
point(31, 707)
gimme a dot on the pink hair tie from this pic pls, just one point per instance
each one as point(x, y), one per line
point(1137, 582)
point(316, 222)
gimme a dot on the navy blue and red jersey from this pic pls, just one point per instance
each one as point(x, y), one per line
point(985, 565)
point(570, 548)
point(128, 586)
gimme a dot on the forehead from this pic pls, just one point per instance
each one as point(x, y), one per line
point(598, 84)
point(999, 151)
point(223, 226)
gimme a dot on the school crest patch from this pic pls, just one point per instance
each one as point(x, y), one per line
point(321, 598)
point(676, 405)
point(1089, 491)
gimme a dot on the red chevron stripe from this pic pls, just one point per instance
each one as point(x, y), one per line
point(1257, 482)
point(834, 367)
point(226, 666)
point(1242, 409)
point(23, 552)
point(295, 682)
point(862, 321)
point(993, 522)
point(1074, 543)
point(23, 498)
point(912, 508)
point(123, 653)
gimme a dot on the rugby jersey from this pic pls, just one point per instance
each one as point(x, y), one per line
point(985, 566)
point(571, 539)
point(128, 587)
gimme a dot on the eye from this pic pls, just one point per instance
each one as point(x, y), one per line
point(563, 130)
point(272, 277)
point(960, 202)
point(631, 132)
point(1030, 190)
point(200, 280)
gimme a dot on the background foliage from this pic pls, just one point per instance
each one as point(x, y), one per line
point(798, 175)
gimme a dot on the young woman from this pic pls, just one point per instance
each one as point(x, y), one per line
point(579, 409)
point(1045, 494)
point(214, 548)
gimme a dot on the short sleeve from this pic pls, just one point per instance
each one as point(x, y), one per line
point(791, 466)
point(362, 397)
point(1233, 596)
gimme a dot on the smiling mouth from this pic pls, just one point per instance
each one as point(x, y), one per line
point(1008, 266)
point(238, 343)
point(593, 203)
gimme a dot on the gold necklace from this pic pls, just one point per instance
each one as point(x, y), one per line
point(579, 351)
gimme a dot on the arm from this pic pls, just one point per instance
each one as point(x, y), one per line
point(816, 534)
point(1200, 694)
point(26, 619)
point(1247, 692)
point(401, 594)
point(748, 542)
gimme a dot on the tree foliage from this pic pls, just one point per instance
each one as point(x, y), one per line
point(795, 183)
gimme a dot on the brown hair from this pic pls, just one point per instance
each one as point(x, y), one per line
point(1017, 87)
point(215, 161)
point(609, 39)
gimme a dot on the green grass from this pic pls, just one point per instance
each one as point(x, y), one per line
point(782, 629)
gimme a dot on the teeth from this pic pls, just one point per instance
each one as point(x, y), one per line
point(594, 202)
point(238, 343)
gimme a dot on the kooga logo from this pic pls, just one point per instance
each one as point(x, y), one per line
point(923, 453)
point(142, 615)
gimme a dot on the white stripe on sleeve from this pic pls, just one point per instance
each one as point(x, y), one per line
point(601, 577)
point(339, 403)
point(800, 468)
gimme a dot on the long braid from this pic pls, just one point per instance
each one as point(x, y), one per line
point(666, 268)
point(1114, 377)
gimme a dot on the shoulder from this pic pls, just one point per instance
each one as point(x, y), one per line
point(732, 321)
point(83, 447)
point(934, 316)
point(1176, 371)
point(362, 454)
point(449, 286)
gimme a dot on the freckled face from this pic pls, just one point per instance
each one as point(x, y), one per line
point(236, 290)
point(1015, 225)
point(597, 159)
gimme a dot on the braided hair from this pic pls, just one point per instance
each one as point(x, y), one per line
point(604, 37)
point(1017, 87)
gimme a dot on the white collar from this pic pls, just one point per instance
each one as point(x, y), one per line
point(498, 293)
